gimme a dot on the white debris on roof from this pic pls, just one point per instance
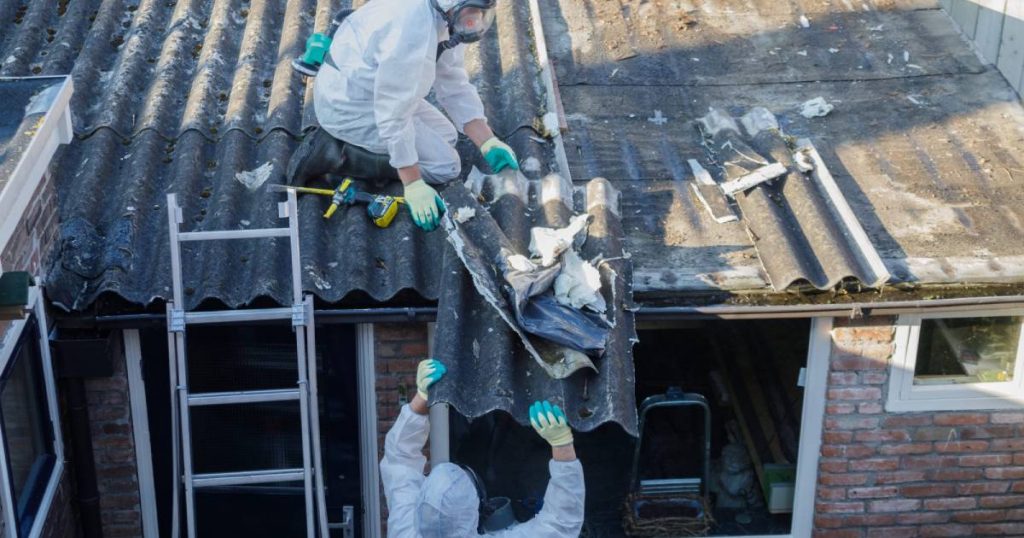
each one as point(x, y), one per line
point(254, 179)
point(531, 164)
point(521, 263)
point(463, 214)
point(548, 243)
point(804, 21)
point(578, 284)
point(816, 108)
point(803, 161)
point(759, 119)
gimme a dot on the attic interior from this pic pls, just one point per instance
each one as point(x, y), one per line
point(747, 372)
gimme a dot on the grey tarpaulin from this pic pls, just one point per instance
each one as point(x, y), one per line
point(488, 366)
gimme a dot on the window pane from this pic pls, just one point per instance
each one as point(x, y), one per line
point(967, 350)
point(26, 423)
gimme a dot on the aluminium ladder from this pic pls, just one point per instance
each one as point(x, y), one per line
point(301, 315)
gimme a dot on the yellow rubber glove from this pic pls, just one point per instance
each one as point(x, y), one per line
point(425, 205)
point(550, 423)
point(427, 373)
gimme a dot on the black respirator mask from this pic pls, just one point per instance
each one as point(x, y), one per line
point(467, 23)
point(495, 513)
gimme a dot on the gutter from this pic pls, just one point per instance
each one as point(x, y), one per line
point(428, 314)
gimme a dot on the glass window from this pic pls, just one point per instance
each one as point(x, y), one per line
point(29, 437)
point(967, 350)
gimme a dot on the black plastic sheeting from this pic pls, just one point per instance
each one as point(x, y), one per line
point(492, 369)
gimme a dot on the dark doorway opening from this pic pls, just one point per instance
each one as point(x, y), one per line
point(256, 436)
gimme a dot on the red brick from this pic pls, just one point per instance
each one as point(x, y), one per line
point(877, 492)
point(979, 516)
point(842, 479)
point(979, 488)
point(899, 477)
point(869, 408)
point(894, 505)
point(1000, 529)
point(985, 460)
point(1008, 418)
point(843, 378)
point(960, 419)
point(893, 532)
point(997, 431)
point(951, 503)
point(1008, 444)
point(833, 466)
point(855, 393)
point(847, 451)
point(919, 518)
point(874, 378)
point(831, 494)
point(839, 533)
point(945, 531)
point(840, 409)
point(854, 520)
point(1004, 473)
point(928, 490)
point(905, 449)
point(896, 421)
point(1002, 501)
point(928, 462)
point(1018, 459)
point(961, 446)
point(847, 362)
point(935, 434)
point(837, 438)
point(883, 436)
point(839, 507)
point(958, 475)
point(851, 423)
point(875, 464)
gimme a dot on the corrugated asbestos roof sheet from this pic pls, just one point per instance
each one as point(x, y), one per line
point(494, 371)
point(923, 142)
point(183, 97)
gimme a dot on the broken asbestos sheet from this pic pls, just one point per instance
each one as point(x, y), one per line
point(495, 267)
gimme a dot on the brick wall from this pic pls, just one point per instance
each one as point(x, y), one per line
point(28, 250)
point(910, 474)
point(114, 452)
point(399, 348)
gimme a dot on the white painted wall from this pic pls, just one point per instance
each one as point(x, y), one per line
point(997, 29)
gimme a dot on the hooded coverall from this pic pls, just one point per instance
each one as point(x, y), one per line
point(371, 90)
point(401, 472)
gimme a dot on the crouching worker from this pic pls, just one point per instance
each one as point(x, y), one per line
point(369, 98)
point(447, 503)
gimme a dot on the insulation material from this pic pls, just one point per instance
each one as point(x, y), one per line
point(578, 284)
point(549, 243)
point(816, 108)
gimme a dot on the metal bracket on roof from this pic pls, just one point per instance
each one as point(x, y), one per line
point(176, 323)
point(298, 315)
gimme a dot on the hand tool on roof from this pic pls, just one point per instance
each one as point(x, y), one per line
point(381, 208)
point(318, 46)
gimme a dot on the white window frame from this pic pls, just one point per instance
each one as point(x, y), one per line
point(14, 332)
point(904, 396)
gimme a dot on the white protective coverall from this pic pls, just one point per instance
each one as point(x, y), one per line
point(384, 65)
point(448, 499)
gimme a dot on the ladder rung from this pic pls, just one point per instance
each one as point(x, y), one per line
point(236, 316)
point(243, 397)
point(242, 478)
point(234, 234)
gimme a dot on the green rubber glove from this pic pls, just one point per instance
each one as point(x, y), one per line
point(427, 373)
point(499, 155)
point(425, 205)
point(550, 423)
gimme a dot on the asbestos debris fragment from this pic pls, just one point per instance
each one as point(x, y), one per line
point(254, 179)
point(803, 161)
point(548, 243)
point(578, 285)
point(463, 214)
point(816, 108)
point(804, 21)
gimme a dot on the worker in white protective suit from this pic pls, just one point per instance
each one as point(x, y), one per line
point(369, 98)
point(447, 503)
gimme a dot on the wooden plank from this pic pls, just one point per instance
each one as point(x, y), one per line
point(1011, 51)
point(990, 28)
point(965, 13)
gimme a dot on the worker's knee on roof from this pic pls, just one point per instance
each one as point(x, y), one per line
point(441, 170)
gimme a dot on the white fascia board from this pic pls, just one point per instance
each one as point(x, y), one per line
point(54, 131)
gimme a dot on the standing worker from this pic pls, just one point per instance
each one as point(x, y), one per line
point(447, 503)
point(369, 98)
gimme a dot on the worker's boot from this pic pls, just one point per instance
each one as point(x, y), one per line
point(318, 155)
